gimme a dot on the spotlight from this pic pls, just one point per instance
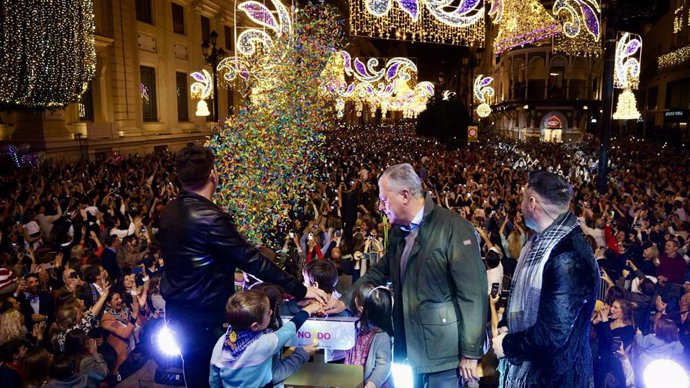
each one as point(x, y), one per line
point(665, 373)
point(402, 375)
point(166, 342)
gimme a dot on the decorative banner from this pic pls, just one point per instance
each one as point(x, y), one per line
point(330, 333)
point(581, 20)
point(482, 94)
point(626, 73)
point(472, 134)
point(523, 22)
point(436, 21)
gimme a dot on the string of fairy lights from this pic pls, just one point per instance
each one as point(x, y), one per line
point(48, 53)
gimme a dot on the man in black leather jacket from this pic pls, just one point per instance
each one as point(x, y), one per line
point(202, 248)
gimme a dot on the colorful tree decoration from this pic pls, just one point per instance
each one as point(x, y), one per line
point(524, 22)
point(439, 21)
point(267, 151)
point(483, 94)
point(48, 52)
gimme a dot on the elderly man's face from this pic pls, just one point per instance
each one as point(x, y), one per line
point(391, 203)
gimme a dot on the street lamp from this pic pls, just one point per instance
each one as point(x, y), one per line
point(213, 55)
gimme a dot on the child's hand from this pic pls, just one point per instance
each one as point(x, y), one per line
point(311, 349)
point(312, 308)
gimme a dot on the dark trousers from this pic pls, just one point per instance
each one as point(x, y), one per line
point(444, 379)
point(196, 341)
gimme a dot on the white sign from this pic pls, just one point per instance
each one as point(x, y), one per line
point(330, 333)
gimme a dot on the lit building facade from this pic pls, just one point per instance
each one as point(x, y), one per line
point(664, 95)
point(140, 97)
point(545, 95)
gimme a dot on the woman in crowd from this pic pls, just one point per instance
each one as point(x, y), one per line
point(613, 325)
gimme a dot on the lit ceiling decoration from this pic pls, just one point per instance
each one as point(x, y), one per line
point(483, 94)
point(253, 42)
point(438, 21)
point(496, 11)
point(627, 62)
point(524, 22)
point(581, 20)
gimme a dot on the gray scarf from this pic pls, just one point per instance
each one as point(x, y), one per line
point(526, 289)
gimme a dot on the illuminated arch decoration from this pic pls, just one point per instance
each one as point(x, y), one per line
point(626, 74)
point(438, 21)
point(581, 21)
point(391, 87)
point(483, 94)
point(524, 22)
point(202, 89)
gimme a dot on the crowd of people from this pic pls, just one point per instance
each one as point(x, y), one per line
point(80, 260)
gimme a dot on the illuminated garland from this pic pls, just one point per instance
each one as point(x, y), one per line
point(438, 21)
point(626, 73)
point(674, 58)
point(524, 22)
point(48, 52)
point(202, 89)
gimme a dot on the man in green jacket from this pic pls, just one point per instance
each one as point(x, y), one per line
point(439, 283)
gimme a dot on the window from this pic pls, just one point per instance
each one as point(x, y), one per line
point(144, 11)
point(211, 105)
point(86, 105)
point(182, 99)
point(228, 38)
point(178, 18)
point(205, 28)
point(231, 102)
point(147, 91)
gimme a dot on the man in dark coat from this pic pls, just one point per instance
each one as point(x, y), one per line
point(202, 248)
point(439, 283)
point(546, 341)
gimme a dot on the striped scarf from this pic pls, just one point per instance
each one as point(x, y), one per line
point(526, 290)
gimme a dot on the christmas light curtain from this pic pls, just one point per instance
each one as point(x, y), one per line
point(47, 52)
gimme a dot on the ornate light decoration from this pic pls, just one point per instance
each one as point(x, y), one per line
point(390, 87)
point(581, 27)
point(253, 42)
point(48, 52)
point(438, 21)
point(201, 89)
point(483, 94)
point(626, 108)
point(523, 22)
point(626, 73)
